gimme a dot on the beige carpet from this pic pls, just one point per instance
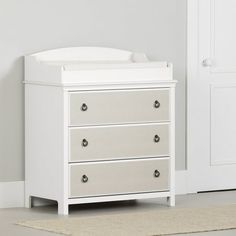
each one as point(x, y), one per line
point(159, 222)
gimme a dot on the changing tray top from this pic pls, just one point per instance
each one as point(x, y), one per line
point(94, 65)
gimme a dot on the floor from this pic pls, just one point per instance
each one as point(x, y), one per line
point(10, 216)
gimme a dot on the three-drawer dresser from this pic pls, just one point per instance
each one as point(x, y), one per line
point(99, 126)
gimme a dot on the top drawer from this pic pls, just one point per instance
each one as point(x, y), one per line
point(119, 106)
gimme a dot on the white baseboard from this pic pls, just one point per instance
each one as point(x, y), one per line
point(12, 193)
point(181, 182)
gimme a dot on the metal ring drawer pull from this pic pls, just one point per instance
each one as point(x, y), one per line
point(157, 104)
point(157, 174)
point(84, 143)
point(156, 138)
point(84, 107)
point(84, 179)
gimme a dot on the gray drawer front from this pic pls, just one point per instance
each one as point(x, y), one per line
point(117, 142)
point(122, 177)
point(119, 106)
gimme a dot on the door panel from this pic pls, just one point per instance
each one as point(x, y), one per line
point(223, 37)
point(223, 125)
point(212, 96)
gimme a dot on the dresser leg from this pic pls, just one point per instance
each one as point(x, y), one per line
point(171, 201)
point(28, 201)
point(63, 209)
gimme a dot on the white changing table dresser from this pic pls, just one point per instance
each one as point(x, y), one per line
point(99, 126)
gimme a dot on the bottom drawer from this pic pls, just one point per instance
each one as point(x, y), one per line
point(118, 177)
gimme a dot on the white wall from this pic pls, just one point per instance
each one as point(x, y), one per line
point(157, 27)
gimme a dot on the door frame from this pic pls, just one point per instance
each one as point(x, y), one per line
point(192, 74)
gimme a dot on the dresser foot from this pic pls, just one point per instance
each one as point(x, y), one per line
point(63, 209)
point(28, 201)
point(171, 201)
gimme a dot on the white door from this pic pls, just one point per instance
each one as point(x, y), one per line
point(212, 95)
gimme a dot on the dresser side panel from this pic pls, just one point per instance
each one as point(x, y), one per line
point(44, 141)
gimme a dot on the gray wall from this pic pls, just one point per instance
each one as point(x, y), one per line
point(157, 27)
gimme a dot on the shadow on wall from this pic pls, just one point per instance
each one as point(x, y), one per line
point(11, 120)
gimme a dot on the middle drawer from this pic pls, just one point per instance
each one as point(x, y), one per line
point(118, 142)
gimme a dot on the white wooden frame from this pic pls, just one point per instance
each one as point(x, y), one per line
point(44, 81)
point(192, 74)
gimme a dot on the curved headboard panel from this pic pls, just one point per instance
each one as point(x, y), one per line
point(84, 54)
